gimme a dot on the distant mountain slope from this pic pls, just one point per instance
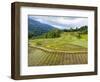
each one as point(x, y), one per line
point(37, 28)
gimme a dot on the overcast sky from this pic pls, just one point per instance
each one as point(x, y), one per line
point(65, 22)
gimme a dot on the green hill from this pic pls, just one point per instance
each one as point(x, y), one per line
point(68, 41)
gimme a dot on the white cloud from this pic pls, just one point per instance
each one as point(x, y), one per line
point(62, 22)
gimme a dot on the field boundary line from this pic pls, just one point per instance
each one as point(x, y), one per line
point(59, 52)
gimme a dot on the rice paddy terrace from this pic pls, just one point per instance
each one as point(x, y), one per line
point(40, 57)
point(66, 50)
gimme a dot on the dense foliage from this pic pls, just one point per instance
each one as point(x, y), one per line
point(83, 29)
point(53, 33)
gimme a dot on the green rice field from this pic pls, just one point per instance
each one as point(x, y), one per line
point(65, 50)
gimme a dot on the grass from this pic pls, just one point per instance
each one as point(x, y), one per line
point(67, 42)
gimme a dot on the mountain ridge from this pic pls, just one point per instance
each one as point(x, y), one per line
point(37, 28)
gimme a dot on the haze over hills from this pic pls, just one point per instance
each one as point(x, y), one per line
point(62, 22)
point(38, 26)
